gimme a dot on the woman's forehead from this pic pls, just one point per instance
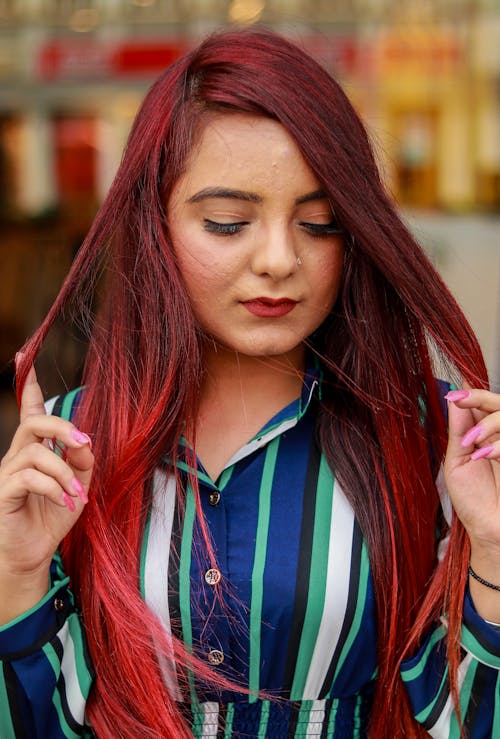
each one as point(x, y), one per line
point(248, 152)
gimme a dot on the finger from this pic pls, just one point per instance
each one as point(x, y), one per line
point(481, 400)
point(39, 427)
point(38, 457)
point(81, 460)
point(32, 402)
point(460, 420)
point(31, 481)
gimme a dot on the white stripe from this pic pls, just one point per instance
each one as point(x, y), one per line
point(156, 565)
point(210, 719)
point(261, 441)
point(336, 593)
point(316, 718)
point(441, 729)
point(49, 405)
point(74, 696)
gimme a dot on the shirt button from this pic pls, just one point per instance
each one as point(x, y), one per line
point(215, 657)
point(212, 576)
point(214, 498)
point(59, 604)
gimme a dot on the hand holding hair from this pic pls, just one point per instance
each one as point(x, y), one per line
point(41, 496)
point(472, 472)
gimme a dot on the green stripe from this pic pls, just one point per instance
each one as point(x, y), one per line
point(364, 570)
point(259, 565)
point(67, 404)
point(6, 726)
point(198, 720)
point(414, 672)
point(185, 579)
point(144, 551)
point(264, 719)
point(496, 711)
point(225, 477)
point(317, 579)
point(333, 716)
point(53, 659)
point(472, 645)
point(465, 694)
point(357, 718)
point(202, 476)
point(425, 712)
point(228, 730)
point(303, 718)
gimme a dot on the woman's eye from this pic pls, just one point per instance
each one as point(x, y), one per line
point(226, 229)
point(322, 229)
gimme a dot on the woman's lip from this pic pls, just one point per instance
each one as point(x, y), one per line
point(270, 307)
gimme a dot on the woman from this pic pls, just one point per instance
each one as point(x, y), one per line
point(245, 496)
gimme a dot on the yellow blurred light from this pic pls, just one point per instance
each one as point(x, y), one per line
point(84, 20)
point(246, 11)
point(143, 3)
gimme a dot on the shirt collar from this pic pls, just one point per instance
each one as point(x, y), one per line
point(284, 420)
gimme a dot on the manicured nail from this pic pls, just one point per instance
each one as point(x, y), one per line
point(68, 502)
point(79, 490)
point(483, 452)
point(457, 395)
point(80, 437)
point(471, 436)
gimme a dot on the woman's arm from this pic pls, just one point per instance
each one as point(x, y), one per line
point(45, 671)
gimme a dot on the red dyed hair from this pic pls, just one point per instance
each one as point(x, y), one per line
point(144, 366)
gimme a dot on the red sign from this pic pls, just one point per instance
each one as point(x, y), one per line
point(90, 59)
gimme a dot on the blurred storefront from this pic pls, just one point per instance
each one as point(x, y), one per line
point(425, 76)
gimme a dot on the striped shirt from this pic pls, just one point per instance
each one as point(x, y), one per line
point(288, 609)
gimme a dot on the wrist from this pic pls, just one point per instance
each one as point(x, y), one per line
point(20, 592)
point(486, 569)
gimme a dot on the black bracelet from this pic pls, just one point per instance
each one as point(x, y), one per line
point(480, 579)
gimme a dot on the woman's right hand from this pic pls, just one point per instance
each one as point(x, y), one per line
point(41, 497)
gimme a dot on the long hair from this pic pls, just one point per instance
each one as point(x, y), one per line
point(380, 425)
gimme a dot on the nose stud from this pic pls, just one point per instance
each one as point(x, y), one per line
point(299, 261)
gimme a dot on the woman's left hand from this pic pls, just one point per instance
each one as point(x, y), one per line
point(472, 466)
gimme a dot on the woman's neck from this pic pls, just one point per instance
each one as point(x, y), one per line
point(239, 395)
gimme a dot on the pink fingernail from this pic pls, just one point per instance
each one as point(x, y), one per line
point(483, 452)
point(80, 437)
point(79, 490)
point(68, 502)
point(457, 395)
point(471, 436)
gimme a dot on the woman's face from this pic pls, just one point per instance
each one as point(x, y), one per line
point(255, 238)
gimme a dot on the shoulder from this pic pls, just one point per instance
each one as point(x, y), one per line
point(65, 405)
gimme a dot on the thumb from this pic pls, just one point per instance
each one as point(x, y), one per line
point(32, 401)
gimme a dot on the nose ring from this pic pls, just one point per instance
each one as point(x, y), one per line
point(299, 261)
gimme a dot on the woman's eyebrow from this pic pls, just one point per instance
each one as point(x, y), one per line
point(251, 197)
point(316, 195)
point(223, 192)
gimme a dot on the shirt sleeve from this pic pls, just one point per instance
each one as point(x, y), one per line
point(45, 670)
point(426, 679)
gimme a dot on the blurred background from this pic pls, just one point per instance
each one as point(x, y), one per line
point(424, 75)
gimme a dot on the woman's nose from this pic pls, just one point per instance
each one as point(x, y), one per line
point(274, 254)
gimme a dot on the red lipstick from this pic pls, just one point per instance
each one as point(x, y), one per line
point(270, 307)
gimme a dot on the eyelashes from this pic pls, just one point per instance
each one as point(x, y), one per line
point(317, 230)
point(226, 229)
point(322, 229)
